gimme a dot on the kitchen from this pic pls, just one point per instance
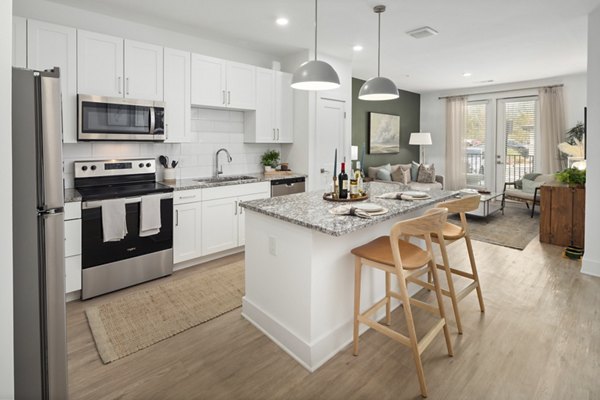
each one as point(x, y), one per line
point(190, 117)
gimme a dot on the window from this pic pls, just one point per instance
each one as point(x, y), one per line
point(520, 126)
point(475, 138)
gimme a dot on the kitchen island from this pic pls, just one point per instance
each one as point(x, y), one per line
point(299, 270)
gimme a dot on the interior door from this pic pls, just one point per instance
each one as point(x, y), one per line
point(330, 135)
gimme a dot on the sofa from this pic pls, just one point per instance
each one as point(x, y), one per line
point(374, 174)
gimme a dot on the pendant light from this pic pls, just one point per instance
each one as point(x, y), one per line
point(315, 74)
point(378, 88)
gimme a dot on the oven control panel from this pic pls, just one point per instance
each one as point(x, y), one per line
point(97, 168)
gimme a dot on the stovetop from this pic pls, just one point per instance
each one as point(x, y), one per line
point(122, 190)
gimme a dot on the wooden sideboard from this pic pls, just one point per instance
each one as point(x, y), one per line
point(562, 214)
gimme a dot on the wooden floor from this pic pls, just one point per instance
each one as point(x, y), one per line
point(539, 339)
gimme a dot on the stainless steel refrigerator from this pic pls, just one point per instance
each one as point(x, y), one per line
point(38, 233)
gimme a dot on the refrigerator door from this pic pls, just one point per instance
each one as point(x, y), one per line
point(50, 191)
point(54, 309)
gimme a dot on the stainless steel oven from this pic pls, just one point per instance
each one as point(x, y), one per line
point(113, 118)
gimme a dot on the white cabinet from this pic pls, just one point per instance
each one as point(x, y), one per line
point(222, 84)
point(177, 96)
point(72, 247)
point(220, 224)
point(187, 231)
point(19, 42)
point(242, 214)
point(272, 122)
point(49, 46)
point(99, 64)
point(143, 71)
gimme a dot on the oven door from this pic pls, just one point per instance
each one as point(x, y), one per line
point(108, 118)
point(96, 252)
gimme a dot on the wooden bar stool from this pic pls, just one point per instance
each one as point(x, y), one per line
point(407, 261)
point(450, 234)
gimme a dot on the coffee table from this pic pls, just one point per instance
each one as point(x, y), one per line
point(490, 203)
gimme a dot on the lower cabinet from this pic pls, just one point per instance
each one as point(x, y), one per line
point(72, 247)
point(212, 221)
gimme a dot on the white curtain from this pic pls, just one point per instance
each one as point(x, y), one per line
point(552, 128)
point(456, 125)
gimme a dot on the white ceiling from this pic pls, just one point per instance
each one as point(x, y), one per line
point(500, 40)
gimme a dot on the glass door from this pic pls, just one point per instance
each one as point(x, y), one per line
point(517, 131)
point(478, 140)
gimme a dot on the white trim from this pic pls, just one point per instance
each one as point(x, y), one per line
point(204, 259)
point(590, 267)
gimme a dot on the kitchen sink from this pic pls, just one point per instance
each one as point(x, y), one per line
point(232, 178)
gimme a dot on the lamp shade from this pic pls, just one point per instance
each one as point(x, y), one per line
point(354, 153)
point(377, 89)
point(420, 138)
point(315, 75)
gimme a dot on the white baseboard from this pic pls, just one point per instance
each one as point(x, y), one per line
point(205, 259)
point(72, 296)
point(590, 267)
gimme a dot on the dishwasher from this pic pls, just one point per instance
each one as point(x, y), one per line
point(283, 186)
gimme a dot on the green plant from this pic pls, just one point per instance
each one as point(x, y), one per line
point(572, 176)
point(575, 132)
point(270, 158)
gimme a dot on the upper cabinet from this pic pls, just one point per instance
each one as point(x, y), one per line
point(19, 42)
point(111, 66)
point(143, 71)
point(51, 46)
point(273, 120)
point(222, 84)
point(177, 96)
point(99, 64)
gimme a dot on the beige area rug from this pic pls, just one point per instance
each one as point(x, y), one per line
point(141, 319)
point(514, 229)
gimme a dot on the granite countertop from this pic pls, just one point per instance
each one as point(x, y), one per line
point(187, 184)
point(72, 195)
point(311, 211)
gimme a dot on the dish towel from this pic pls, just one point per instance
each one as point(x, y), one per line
point(402, 196)
point(349, 210)
point(114, 224)
point(150, 215)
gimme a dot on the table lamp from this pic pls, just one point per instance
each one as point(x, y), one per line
point(420, 139)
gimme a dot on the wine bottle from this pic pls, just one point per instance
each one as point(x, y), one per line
point(343, 182)
point(358, 175)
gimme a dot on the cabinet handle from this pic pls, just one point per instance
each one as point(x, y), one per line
point(235, 208)
point(166, 131)
point(241, 208)
point(127, 86)
point(224, 98)
point(228, 97)
point(187, 197)
point(120, 84)
point(176, 217)
point(277, 133)
point(274, 134)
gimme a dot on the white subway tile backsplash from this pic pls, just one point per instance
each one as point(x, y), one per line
point(214, 129)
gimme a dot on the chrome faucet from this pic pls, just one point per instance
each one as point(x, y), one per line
point(219, 171)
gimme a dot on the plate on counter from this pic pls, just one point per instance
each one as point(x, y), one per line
point(369, 207)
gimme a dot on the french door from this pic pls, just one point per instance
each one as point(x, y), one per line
point(516, 137)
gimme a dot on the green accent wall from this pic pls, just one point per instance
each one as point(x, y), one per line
point(408, 107)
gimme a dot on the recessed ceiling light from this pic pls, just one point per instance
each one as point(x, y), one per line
point(358, 47)
point(467, 74)
point(422, 32)
point(282, 21)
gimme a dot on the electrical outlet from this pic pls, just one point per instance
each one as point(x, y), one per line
point(272, 246)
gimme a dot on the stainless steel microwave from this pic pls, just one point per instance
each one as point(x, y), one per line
point(113, 118)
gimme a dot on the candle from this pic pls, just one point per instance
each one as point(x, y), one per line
point(335, 164)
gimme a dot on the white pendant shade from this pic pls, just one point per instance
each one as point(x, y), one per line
point(315, 75)
point(377, 89)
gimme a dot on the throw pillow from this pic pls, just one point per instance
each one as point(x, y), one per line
point(384, 175)
point(426, 174)
point(372, 171)
point(401, 175)
point(414, 171)
point(529, 185)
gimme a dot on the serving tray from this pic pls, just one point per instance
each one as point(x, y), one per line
point(328, 197)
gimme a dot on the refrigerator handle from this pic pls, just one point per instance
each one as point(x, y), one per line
point(50, 144)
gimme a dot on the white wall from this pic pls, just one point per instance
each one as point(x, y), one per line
point(591, 259)
point(44, 10)
point(6, 266)
point(433, 111)
point(213, 130)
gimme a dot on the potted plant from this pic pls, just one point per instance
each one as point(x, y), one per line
point(270, 159)
point(571, 176)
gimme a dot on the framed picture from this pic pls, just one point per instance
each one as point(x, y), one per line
point(384, 133)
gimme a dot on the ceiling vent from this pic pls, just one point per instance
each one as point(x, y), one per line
point(423, 32)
